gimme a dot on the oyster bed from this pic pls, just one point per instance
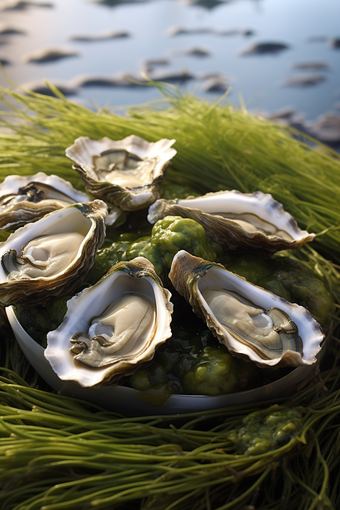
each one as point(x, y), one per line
point(79, 447)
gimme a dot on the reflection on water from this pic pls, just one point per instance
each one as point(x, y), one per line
point(274, 53)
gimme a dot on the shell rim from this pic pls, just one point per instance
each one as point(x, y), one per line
point(66, 328)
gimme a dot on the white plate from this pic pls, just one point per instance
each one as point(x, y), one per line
point(130, 402)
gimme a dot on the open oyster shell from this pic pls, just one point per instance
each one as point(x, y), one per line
point(251, 221)
point(126, 173)
point(111, 328)
point(251, 321)
point(24, 199)
point(42, 260)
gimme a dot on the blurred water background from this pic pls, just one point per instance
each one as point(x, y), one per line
point(281, 57)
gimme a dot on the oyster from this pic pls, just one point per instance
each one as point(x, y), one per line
point(251, 221)
point(251, 321)
point(127, 173)
point(24, 199)
point(27, 199)
point(42, 260)
point(111, 328)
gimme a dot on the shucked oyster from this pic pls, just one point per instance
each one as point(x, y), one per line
point(251, 221)
point(24, 199)
point(27, 199)
point(112, 327)
point(127, 172)
point(249, 320)
point(43, 259)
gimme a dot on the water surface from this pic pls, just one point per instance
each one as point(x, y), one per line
point(305, 26)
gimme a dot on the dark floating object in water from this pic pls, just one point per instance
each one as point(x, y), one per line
point(46, 55)
point(316, 66)
point(247, 32)
point(156, 62)
point(193, 52)
point(105, 36)
point(304, 81)
point(264, 48)
point(10, 30)
point(174, 31)
point(206, 4)
point(326, 129)
point(198, 52)
point(97, 81)
point(216, 84)
point(41, 87)
point(22, 5)
point(287, 116)
point(171, 77)
point(149, 65)
point(120, 80)
point(285, 113)
point(335, 43)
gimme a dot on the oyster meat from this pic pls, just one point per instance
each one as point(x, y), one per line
point(24, 199)
point(42, 260)
point(251, 221)
point(252, 322)
point(127, 173)
point(111, 328)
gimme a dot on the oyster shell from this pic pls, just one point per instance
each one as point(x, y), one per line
point(27, 199)
point(111, 328)
point(251, 221)
point(24, 199)
point(42, 260)
point(126, 173)
point(251, 321)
